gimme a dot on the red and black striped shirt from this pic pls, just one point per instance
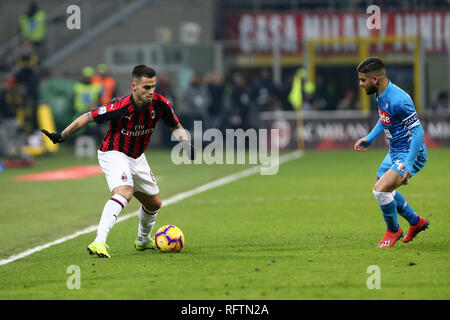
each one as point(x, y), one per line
point(131, 126)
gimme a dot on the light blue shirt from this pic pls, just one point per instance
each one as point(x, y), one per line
point(397, 116)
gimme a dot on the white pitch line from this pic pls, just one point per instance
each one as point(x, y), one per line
point(174, 199)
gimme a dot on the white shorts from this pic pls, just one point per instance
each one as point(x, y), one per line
point(122, 170)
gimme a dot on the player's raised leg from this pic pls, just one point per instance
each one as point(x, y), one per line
point(384, 191)
point(404, 209)
point(121, 196)
point(147, 218)
point(416, 222)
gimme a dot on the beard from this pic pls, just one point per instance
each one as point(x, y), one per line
point(371, 90)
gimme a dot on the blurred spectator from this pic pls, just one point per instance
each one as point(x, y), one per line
point(32, 25)
point(164, 87)
point(284, 92)
point(86, 96)
point(12, 135)
point(265, 93)
point(197, 99)
point(349, 101)
point(5, 67)
point(241, 104)
point(108, 83)
point(301, 94)
point(27, 74)
point(309, 96)
point(216, 89)
point(442, 102)
point(320, 104)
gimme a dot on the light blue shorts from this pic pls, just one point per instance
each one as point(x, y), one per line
point(393, 160)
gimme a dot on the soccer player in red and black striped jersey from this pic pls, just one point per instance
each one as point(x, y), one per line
point(132, 120)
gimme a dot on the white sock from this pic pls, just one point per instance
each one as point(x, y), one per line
point(146, 223)
point(109, 216)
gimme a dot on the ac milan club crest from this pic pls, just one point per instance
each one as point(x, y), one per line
point(153, 114)
point(124, 177)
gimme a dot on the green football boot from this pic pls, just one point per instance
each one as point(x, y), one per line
point(141, 245)
point(99, 248)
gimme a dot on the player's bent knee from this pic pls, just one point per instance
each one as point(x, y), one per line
point(152, 204)
point(376, 188)
point(380, 187)
point(383, 197)
point(155, 204)
point(124, 191)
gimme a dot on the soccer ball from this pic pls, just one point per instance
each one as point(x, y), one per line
point(169, 238)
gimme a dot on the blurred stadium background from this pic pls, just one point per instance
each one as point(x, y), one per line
point(308, 232)
point(286, 64)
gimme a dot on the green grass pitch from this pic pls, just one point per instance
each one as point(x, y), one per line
point(308, 232)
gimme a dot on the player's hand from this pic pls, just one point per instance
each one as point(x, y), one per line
point(406, 175)
point(55, 137)
point(189, 148)
point(358, 145)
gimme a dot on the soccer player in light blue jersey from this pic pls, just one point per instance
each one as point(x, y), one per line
point(407, 152)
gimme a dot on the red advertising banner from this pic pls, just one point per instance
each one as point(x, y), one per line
point(255, 32)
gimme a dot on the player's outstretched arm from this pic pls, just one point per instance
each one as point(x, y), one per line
point(363, 143)
point(359, 145)
point(72, 128)
point(180, 135)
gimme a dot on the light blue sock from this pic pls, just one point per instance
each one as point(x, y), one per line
point(390, 215)
point(405, 210)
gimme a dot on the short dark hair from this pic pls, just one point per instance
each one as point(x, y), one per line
point(142, 71)
point(371, 64)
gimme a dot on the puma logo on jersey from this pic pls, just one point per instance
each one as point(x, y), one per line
point(384, 117)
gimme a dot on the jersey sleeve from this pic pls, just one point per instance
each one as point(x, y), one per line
point(374, 134)
point(169, 116)
point(417, 134)
point(407, 114)
point(112, 110)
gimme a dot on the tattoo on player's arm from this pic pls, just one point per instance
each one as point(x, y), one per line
point(76, 125)
point(72, 128)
